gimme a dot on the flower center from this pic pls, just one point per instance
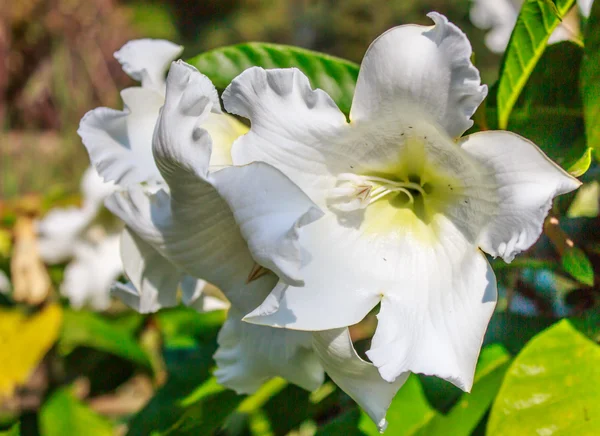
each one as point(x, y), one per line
point(355, 191)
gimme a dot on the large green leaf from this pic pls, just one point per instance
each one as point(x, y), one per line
point(551, 387)
point(335, 76)
point(85, 329)
point(590, 77)
point(63, 414)
point(549, 110)
point(537, 20)
point(15, 430)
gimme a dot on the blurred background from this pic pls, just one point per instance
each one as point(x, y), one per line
point(56, 61)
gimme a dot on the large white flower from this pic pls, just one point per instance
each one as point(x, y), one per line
point(407, 207)
point(500, 16)
point(191, 228)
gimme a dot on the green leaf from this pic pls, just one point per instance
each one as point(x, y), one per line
point(590, 77)
point(411, 414)
point(63, 414)
point(335, 76)
point(549, 110)
point(586, 203)
point(15, 430)
point(551, 387)
point(576, 263)
point(85, 329)
point(470, 409)
point(536, 22)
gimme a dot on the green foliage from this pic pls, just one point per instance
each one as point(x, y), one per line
point(537, 20)
point(335, 76)
point(552, 386)
point(85, 329)
point(576, 263)
point(15, 430)
point(63, 414)
point(549, 109)
point(411, 414)
point(590, 77)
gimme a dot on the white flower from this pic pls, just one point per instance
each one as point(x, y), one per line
point(500, 16)
point(191, 229)
point(406, 208)
point(120, 147)
point(80, 236)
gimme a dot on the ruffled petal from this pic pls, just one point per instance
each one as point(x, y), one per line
point(268, 207)
point(147, 61)
point(436, 322)
point(249, 355)
point(292, 126)
point(120, 142)
point(526, 182)
point(428, 67)
point(94, 189)
point(359, 379)
point(499, 16)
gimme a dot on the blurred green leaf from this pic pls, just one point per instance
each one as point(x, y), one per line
point(577, 264)
point(334, 75)
point(63, 414)
point(15, 430)
point(86, 329)
point(590, 77)
point(153, 19)
point(513, 331)
point(184, 326)
point(536, 22)
point(586, 202)
point(551, 387)
point(549, 110)
point(344, 424)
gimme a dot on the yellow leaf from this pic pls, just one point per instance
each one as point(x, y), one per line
point(24, 341)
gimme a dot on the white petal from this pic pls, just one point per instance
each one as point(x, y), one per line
point(147, 61)
point(154, 280)
point(359, 379)
point(499, 16)
point(292, 126)
point(436, 289)
point(436, 324)
point(526, 180)
point(60, 230)
point(120, 142)
point(429, 67)
point(249, 355)
point(269, 209)
point(94, 189)
point(89, 276)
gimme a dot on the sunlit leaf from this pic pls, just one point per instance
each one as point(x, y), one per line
point(334, 75)
point(63, 414)
point(537, 20)
point(551, 387)
point(549, 110)
point(590, 77)
point(586, 202)
point(85, 329)
point(25, 340)
point(577, 264)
